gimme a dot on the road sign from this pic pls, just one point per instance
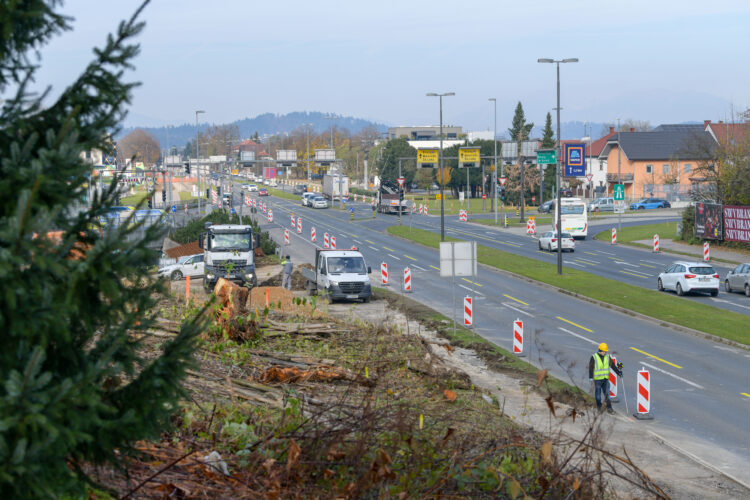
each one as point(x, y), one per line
point(174, 209)
point(468, 157)
point(502, 180)
point(574, 156)
point(546, 156)
point(427, 158)
point(401, 181)
point(233, 212)
point(619, 192)
point(589, 177)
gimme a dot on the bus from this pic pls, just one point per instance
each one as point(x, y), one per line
point(574, 217)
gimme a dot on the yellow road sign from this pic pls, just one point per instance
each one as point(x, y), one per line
point(468, 155)
point(427, 156)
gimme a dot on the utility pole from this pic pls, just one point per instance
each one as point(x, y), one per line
point(440, 164)
point(494, 173)
point(520, 165)
point(197, 162)
point(619, 179)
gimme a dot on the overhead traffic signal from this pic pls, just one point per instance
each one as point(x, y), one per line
point(502, 193)
point(187, 167)
point(150, 202)
point(164, 195)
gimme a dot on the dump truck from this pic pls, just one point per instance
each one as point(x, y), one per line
point(339, 275)
point(390, 199)
point(228, 252)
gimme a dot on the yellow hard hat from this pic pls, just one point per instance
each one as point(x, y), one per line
point(603, 347)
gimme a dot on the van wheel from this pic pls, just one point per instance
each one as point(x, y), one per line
point(747, 290)
point(679, 291)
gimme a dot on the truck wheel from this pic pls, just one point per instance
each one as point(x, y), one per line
point(367, 299)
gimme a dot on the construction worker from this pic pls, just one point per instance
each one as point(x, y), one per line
point(286, 279)
point(599, 366)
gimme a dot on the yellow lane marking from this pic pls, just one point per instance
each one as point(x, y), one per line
point(634, 274)
point(574, 324)
point(648, 265)
point(412, 258)
point(591, 253)
point(746, 394)
point(370, 242)
point(390, 249)
point(584, 262)
point(656, 358)
point(513, 298)
point(435, 268)
point(484, 238)
point(473, 283)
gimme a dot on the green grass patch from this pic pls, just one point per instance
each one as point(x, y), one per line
point(659, 305)
point(133, 199)
point(283, 194)
point(546, 219)
point(665, 230)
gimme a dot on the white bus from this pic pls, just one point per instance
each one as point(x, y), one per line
point(574, 217)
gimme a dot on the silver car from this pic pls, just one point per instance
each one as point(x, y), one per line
point(738, 279)
point(602, 205)
point(685, 277)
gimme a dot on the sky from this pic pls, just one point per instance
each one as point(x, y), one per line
point(661, 61)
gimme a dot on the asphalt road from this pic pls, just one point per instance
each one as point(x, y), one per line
point(701, 389)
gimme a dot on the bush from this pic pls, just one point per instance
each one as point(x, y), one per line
point(362, 191)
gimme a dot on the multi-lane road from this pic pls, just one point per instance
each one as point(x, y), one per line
point(701, 389)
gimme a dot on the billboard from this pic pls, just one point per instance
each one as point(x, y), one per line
point(737, 223)
point(247, 155)
point(575, 160)
point(325, 155)
point(284, 155)
point(708, 221)
point(427, 158)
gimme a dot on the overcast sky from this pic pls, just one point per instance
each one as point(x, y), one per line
point(663, 61)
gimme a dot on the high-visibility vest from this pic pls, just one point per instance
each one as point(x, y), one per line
point(601, 367)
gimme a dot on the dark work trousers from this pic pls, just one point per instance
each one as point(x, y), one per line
point(602, 386)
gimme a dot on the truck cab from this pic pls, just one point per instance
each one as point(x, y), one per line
point(228, 253)
point(340, 274)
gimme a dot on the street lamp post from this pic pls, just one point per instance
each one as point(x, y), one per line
point(197, 161)
point(440, 163)
point(559, 157)
point(494, 174)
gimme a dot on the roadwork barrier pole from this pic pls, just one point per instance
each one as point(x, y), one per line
point(384, 273)
point(187, 289)
point(656, 243)
point(468, 312)
point(614, 236)
point(643, 396)
point(518, 337)
point(613, 383)
point(706, 252)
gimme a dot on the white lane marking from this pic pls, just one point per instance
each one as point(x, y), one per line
point(391, 255)
point(517, 309)
point(730, 302)
point(574, 263)
point(605, 253)
point(376, 249)
point(651, 262)
point(356, 241)
point(589, 261)
point(576, 335)
point(420, 268)
point(724, 348)
point(672, 375)
point(466, 288)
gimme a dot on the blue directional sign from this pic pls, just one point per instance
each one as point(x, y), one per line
point(174, 208)
point(575, 159)
point(233, 212)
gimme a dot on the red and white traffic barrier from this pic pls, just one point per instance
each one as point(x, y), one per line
point(531, 226)
point(299, 225)
point(656, 243)
point(706, 252)
point(613, 382)
point(468, 313)
point(333, 242)
point(286, 236)
point(270, 215)
point(643, 395)
point(413, 208)
point(294, 221)
point(326, 240)
point(462, 215)
point(518, 337)
point(614, 236)
point(425, 210)
point(247, 201)
point(312, 234)
point(383, 273)
point(407, 279)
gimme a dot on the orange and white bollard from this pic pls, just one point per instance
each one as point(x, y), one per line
point(299, 225)
point(706, 252)
point(468, 312)
point(656, 243)
point(383, 273)
point(530, 226)
point(312, 234)
point(270, 216)
point(293, 221)
point(613, 382)
point(286, 236)
point(643, 396)
point(518, 337)
point(326, 240)
point(333, 242)
point(407, 279)
point(614, 236)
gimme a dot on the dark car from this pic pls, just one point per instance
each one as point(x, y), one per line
point(263, 192)
point(547, 207)
point(566, 192)
point(298, 190)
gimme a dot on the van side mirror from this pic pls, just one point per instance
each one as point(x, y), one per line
point(200, 240)
point(369, 270)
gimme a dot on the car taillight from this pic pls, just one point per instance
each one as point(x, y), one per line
point(716, 275)
point(554, 240)
point(689, 276)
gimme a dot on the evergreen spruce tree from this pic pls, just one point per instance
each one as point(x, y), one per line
point(74, 386)
point(519, 132)
point(548, 135)
point(548, 142)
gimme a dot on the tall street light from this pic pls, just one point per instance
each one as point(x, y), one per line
point(197, 161)
point(559, 157)
point(494, 174)
point(440, 163)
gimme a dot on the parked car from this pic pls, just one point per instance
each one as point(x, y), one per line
point(190, 265)
point(649, 203)
point(252, 188)
point(272, 183)
point(548, 241)
point(566, 192)
point(738, 279)
point(318, 202)
point(263, 192)
point(686, 277)
point(306, 197)
point(299, 189)
point(602, 205)
point(547, 207)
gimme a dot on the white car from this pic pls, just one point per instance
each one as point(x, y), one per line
point(272, 183)
point(548, 241)
point(191, 265)
point(306, 198)
point(685, 277)
point(252, 188)
point(318, 202)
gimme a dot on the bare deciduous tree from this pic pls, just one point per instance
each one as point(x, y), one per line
point(139, 145)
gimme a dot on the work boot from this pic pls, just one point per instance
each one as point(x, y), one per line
point(610, 411)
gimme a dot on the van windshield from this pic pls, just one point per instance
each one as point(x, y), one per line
point(348, 265)
point(571, 209)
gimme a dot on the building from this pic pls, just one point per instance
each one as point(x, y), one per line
point(425, 133)
point(595, 165)
point(658, 163)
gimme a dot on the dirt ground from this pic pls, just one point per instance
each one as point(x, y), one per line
point(679, 476)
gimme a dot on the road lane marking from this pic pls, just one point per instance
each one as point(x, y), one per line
point(409, 257)
point(356, 241)
point(574, 324)
point(724, 348)
point(570, 262)
point(390, 255)
point(511, 306)
point(665, 372)
point(420, 268)
point(588, 261)
point(635, 274)
point(466, 288)
point(649, 265)
point(730, 302)
point(374, 248)
point(656, 358)
point(745, 394)
point(517, 300)
point(606, 253)
point(435, 268)
point(576, 335)
point(370, 242)
point(390, 249)
point(625, 263)
point(591, 253)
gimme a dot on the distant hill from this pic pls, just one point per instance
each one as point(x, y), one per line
point(265, 125)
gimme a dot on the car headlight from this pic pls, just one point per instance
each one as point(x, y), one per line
point(334, 283)
point(248, 276)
